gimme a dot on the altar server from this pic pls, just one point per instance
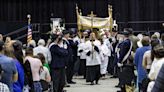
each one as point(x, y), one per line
point(93, 59)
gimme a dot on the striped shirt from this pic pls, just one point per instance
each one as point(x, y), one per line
point(4, 87)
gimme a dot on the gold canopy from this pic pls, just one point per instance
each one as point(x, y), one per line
point(90, 22)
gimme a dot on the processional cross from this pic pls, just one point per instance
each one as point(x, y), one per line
point(92, 16)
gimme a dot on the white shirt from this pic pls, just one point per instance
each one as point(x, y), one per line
point(44, 73)
point(155, 68)
point(94, 58)
point(4, 87)
point(45, 51)
point(108, 44)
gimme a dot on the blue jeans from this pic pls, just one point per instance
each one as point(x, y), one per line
point(37, 87)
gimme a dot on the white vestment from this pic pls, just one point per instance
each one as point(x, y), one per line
point(108, 44)
point(94, 58)
point(104, 58)
point(82, 47)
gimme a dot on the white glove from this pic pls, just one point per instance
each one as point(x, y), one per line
point(119, 64)
point(65, 46)
point(113, 40)
point(61, 45)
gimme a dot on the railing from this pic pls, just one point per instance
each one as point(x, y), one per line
point(25, 35)
point(38, 28)
point(143, 26)
point(24, 31)
point(16, 31)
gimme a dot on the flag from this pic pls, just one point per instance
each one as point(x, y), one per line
point(29, 33)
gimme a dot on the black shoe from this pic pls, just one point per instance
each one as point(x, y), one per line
point(118, 90)
point(71, 82)
point(92, 83)
point(97, 82)
point(117, 86)
point(64, 90)
point(67, 85)
point(113, 77)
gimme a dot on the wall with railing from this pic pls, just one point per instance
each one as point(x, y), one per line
point(18, 30)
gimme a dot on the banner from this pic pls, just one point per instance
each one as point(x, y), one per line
point(86, 22)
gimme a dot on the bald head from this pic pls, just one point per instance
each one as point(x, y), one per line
point(92, 36)
point(146, 41)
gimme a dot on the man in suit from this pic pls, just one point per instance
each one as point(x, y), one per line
point(59, 55)
point(124, 52)
point(69, 61)
point(116, 55)
point(113, 42)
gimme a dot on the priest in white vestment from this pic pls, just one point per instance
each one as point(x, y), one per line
point(93, 59)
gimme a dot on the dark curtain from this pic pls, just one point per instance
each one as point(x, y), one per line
point(125, 11)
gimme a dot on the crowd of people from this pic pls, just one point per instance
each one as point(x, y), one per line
point(137, 61)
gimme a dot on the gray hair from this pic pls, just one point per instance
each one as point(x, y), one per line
point(41, 42)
